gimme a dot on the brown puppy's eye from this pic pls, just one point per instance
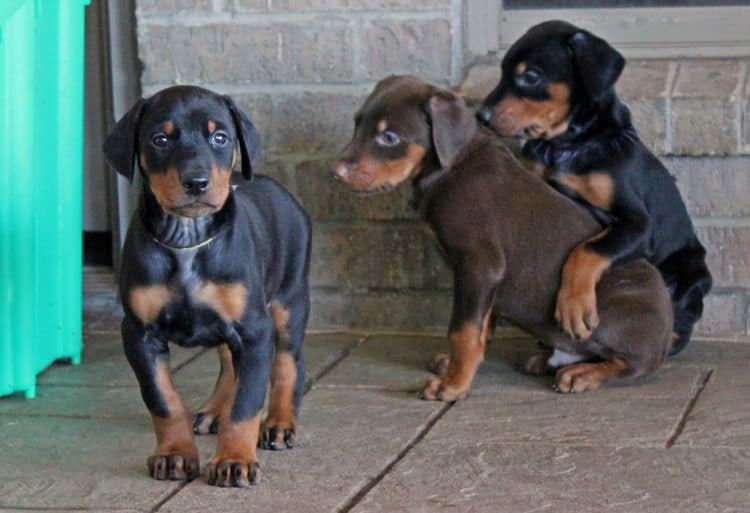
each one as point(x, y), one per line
point(387, 138)
point(219, 139)
point(160, 140)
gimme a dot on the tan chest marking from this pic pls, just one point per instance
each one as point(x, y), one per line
point(228, 300)
point(148, 301)
point(280, 317)
point(596, 188)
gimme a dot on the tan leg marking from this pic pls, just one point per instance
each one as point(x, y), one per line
point(223, 393)
point(235, 462)
point(576, 300)
point(279, 427)
point(581, 377)
point(466, 353)
point(175, 456)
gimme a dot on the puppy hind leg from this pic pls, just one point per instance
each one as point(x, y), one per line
point(287, 376)
point(582, 377)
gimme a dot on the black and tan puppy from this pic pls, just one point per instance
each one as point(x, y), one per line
point(212, 264)
point(557, 91)
point(506, 234)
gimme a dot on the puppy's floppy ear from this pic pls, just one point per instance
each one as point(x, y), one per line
point(598, 64)
point(120, 147)
point(453, 126)
point(248, 137)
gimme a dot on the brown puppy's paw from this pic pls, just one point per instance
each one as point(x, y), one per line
point(205, 422)
point(439, 364)
point(173, 467)
point(232, 473)
point(576, 311)
point(536, 365)
point(579, 378)
point(441, 389)
point(274, 436)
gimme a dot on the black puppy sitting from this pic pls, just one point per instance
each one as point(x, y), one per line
point(557, 91)
point(212, 264)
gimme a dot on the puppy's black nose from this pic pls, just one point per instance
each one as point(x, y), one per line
point(195, 186)
point(484, 115)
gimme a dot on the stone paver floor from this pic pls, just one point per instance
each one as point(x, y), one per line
point(677, 441)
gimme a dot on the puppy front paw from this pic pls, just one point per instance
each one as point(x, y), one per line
point(276, 436)
point(174, 467)
point(442, 388)
point(579, 378)
point(232, 473)
point(576, 311)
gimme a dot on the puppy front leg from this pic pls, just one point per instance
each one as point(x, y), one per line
point(235, 462)
point(474, 291)
point(175, 457)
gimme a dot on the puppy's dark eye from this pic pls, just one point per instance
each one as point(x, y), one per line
point(387, 138)
point(160, 141)
point(529, 78)
point(219, 139)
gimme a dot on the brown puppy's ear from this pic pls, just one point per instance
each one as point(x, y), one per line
point(598, 64)
point(453, 126)
point(120, 147)
point(248, 137)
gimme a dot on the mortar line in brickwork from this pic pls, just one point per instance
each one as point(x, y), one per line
point(722, 222)
point(673, 69)
point(358, 88)
point(415, 223)
point(265, 18)
point(739, 97)
point(456, 21)
point(682, 419)
point(358, 496)
point(357, 53)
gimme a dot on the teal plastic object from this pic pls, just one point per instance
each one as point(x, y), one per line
point(41, 187)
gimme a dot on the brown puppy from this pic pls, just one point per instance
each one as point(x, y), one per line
point(506, 235)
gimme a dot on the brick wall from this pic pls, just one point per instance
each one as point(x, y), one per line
point(300, 68)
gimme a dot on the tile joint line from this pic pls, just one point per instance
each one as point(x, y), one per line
point(362, 493)
point(682, 419)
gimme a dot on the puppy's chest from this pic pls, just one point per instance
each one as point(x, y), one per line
point(593, 187)
point(189, 304)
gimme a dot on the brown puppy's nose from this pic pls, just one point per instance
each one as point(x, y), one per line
point(341, 170)
point(195, 186)
point(484, 115)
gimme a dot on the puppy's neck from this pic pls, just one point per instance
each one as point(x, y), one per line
point(431, 172)
point(593, 127)
point(177, 232)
